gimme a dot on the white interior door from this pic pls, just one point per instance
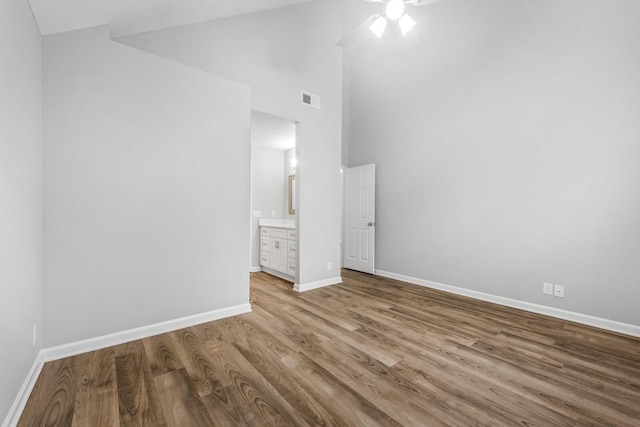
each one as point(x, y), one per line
point(359, 218)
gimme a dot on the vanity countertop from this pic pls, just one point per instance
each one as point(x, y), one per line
point(278, 223)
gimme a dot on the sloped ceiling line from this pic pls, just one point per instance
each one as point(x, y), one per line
point(127, 17)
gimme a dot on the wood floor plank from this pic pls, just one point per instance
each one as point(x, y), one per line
point(221, 399)
point(329, 326)
point(295, 337)
point(255, 398)
point(340, 398)
point(260, 396)
point(558, 377)
point(201, 363)
point(370, 351)
point(317, 309)
point(460, 396)
point(535, 382)
point(97, 395)
point(352, 374)
point(271, 367)
point(180, 400)
point(53, 398)
point(597, 376)
point(161, 354)
point(139, 402)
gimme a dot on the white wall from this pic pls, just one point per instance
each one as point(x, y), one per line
point(20, 195)
point(505, 136)
point(267, 191)
point(145, 217)
point(278, 54)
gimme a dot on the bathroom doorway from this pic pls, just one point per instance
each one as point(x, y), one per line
point(273, 187)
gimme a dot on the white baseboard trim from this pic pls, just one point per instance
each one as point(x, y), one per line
point(92, 344)
point(585, 319)
point(20, 402)
point(255, 269)
point(315, 285)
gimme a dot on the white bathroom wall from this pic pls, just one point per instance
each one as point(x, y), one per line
point(278, 54)
point(267, 192)
point(146, 220)
point(20, 196)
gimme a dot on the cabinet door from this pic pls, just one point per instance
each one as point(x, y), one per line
point(278, 255)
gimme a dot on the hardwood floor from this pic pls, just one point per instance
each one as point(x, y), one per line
point(371, 351)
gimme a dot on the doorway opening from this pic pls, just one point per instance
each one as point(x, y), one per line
point(273, 196)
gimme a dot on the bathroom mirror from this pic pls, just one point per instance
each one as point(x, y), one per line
point(292, 195)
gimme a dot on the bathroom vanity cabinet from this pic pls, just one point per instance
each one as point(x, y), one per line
point(278, 251)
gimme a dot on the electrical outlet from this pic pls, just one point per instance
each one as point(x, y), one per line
point(35, 334)
point(257, 214)
point(558, 291)
point(328, 266)
point(547, 288)
point(273, 214)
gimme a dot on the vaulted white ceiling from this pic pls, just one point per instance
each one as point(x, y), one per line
point(136, 16)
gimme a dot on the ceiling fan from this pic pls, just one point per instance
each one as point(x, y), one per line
point(394, 13)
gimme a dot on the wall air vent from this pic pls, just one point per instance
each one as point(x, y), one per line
point(311, 100)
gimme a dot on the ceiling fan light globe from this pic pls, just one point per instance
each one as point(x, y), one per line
point(406, 23)
point(395, 9)
point(378, 26)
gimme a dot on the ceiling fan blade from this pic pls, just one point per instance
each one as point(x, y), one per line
point(357, 33)
point(422, 2)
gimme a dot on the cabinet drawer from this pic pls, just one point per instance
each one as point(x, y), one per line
point(264, 231)
point(291, 235)
point(292, 268)
point(280, 233)
point(264, 258)
point(264, 243)
point(292, 250)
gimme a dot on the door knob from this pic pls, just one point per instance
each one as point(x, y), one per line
point(371, 224)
